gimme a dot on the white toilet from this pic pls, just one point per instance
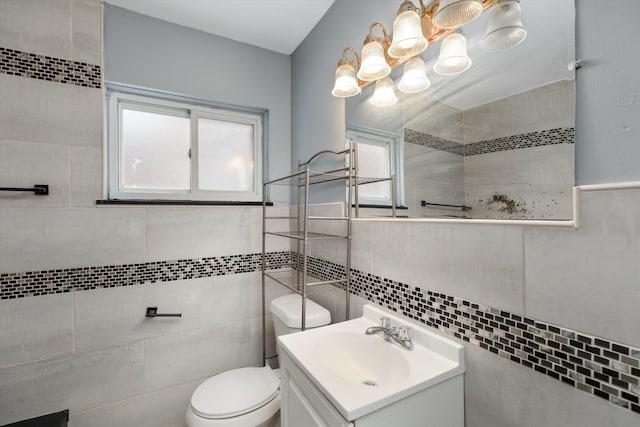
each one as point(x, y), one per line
point(250, 397)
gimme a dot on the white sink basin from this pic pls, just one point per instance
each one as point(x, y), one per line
point(363, 359)
point(361, 373)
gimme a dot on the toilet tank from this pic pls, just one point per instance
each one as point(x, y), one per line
point(287, 314)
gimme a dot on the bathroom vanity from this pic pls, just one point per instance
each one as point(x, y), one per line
point(339, 376)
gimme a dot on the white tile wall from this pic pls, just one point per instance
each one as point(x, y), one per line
point(164, 408)
point(498, 392)
point(477, 262)
point(108, 317)
point(76, 382)
point(24, 165)
point(39, 239)
point(176, 233)
point(589, 279)
point(178, 358)
point(86, 21)
point(85, 175)
point(50, 113)
point(35, 328)
point(37, 27)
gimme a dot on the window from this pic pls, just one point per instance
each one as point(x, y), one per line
point(172, 150)
point(376, 158)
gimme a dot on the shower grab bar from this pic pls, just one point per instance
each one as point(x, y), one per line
point(153, 312)
point(424, 203)
point(38, 189)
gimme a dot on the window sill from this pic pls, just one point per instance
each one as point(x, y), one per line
point(370, 206)
point(177, 202)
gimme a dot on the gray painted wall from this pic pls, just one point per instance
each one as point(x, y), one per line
point(148, 52)
point(608, 92)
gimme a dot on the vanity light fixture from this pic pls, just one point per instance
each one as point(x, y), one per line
point(414, 77)
point(408, 39)
point(505, 29)
point(453, 57)
point(346, 82)
point(374, 64)
point(384, 95)
point(452, 14)
point(414, 29)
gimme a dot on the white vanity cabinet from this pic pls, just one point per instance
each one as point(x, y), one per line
point(302, 404)
point(326, 372)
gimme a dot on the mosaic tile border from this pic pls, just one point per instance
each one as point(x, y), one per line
point(47, 282)
point(513, 142)
point(420, 138)
point(598, 366)
point(30, 65)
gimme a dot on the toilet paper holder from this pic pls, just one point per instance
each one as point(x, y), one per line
point(153, 312)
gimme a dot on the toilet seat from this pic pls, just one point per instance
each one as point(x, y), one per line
point(234, 393)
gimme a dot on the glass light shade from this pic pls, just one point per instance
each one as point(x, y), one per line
point(408, 39)
point(454, 13)
point(374, 65)
point(505, 29)
point(414, 78)
point(384, 95)
point(453, 57)
point(346, 83)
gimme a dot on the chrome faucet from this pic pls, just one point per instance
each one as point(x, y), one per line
point(398, 335)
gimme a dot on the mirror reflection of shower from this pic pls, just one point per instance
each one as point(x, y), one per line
point(497, 138)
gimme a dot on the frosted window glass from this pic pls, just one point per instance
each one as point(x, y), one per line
point(155, 151)
point(225, 155)
point(373, 161)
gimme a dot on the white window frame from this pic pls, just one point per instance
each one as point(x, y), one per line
point(388, 141)
point(117, 100)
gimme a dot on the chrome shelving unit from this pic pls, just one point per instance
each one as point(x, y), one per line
point(297, 276)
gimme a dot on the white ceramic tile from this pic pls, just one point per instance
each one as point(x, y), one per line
point(107, 317)
point(36, 26)
point(399, 253)
point(234, 297)
point(488, 265)
point(361, 245)
point(50, 113)
point(86, 31)
point(76, 382)
point(501, 393)
point(589, 279)
point(39, 239)
point(187, 356)
point(35, 328)
point(547, 107)
point(85, 175)
point(24, 165)
point(476, 262)
point(178, 233)
point(164, 408)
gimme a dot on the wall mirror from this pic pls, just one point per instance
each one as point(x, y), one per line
point(493, 142)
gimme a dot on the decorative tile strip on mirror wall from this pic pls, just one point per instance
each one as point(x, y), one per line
point(46, 282)
point(41, 67)
point(513, 142)
point(592, 364)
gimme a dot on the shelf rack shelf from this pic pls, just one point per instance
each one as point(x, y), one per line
point(297, 277)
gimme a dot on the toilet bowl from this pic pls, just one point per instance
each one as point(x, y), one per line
point(250, 397)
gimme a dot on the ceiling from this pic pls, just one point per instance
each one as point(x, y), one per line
point(277, 25)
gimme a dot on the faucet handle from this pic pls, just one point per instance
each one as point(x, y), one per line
point(385, 322)
point(405, 333)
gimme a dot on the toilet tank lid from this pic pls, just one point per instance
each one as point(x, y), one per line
point(288, 308)
point(234, 393)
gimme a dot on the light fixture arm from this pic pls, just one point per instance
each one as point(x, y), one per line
point(385, 40)
point(355, 63)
